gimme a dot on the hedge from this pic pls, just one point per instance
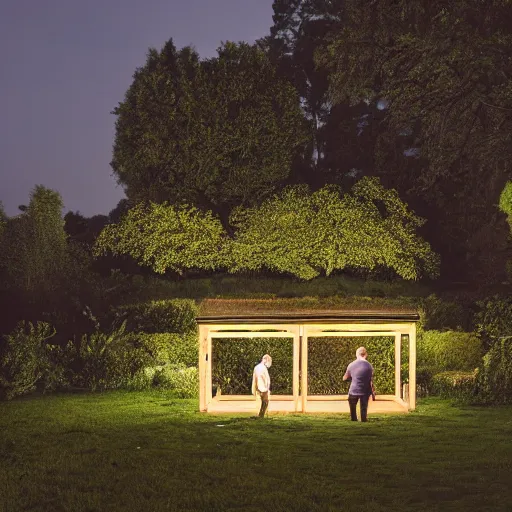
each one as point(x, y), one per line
point(159, 316)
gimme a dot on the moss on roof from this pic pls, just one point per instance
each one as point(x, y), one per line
point(306, 306)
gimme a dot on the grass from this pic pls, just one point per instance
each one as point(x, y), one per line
point(148, 452)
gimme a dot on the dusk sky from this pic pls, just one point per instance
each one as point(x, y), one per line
point(65, 64)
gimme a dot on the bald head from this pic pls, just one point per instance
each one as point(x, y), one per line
point(361, 353)
point(267, 360)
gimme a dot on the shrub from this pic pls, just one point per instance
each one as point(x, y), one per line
point(439, 314)
point(455, 384)
point(172, 315)
point(182, 380)
point(25, 361)
point(448, 351)
point(170, 348)
point(494, 319)
point(495, 376)
point(110, 360)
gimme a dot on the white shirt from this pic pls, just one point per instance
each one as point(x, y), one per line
point(260, 379)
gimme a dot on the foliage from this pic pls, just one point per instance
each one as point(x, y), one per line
point(25, 361)
point(183, 381)
point(166, 237)
point(33, 249)
point(164, 316)
point(110, 360)
point(133, 360)
point(494, 319)
point(437, 313)
point(170, 348)
point(341, 133)
point(329, 357)
point(449, 351)
point(505, 203)
point(210, 133)
point(234, 359)
point(445, 91)
point(495, 376)
point(368, 228)
point(455, 384)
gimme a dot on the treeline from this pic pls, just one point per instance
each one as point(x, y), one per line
point(414, 93)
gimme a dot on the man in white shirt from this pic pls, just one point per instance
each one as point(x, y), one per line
point(261, 382)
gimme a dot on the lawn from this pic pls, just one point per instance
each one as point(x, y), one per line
point(149, 452)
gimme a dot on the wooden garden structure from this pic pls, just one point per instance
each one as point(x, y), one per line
point(246, 319)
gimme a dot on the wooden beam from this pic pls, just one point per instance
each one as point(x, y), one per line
point(250, 327)
point(412, 366)
point(398, 364)
point(209, 370)
point(296, 363)
point(203, 347)
point(252, 334)
point(304, 369)
point(402, 327)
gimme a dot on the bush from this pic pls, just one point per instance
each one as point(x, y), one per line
point(453, 384)
point(172, 315)
point(25, 361)
point(495, 376)
point(439, 314)
point(494, 320)
point(110, 361)
point(182, 380)
point(170, 348)
point(449, 351)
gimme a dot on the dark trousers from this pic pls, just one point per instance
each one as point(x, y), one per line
point(352, 402)
point(264, 403)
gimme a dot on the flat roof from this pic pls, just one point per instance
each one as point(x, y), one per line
point(304, 310)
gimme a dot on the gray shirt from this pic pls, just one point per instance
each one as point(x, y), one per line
point(361, 372)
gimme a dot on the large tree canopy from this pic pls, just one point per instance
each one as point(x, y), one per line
point(443, 74)
point(307, 234)
point(213, 133)
point(298, 232)
point(166, 238)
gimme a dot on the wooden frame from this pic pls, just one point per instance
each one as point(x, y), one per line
point(300, 329)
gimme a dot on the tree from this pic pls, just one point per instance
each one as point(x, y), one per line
point(166, 238)
point(304, 234)
point(212, 133)
point(443, 74)
point(35, 249)
point(342, 132)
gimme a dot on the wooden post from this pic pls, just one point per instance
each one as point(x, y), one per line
point(209, 369)
point(304, 369)
point(296, 362)
point(398, 364)
point(412, 366)
point(203, 344)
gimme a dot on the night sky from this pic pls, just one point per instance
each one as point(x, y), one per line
point(65, 64)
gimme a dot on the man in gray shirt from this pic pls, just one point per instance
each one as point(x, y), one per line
point(360, 372)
